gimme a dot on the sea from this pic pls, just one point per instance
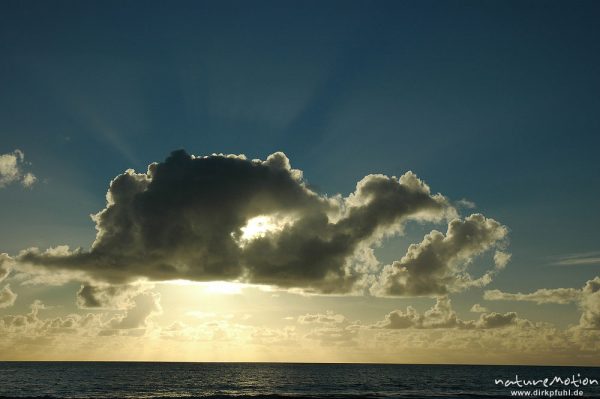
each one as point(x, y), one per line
point(290, 380)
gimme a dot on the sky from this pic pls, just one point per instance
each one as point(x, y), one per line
point(356, 181)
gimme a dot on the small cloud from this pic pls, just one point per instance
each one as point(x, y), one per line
point(29, 179)
point(104, 296)
point(328, 318)
point(11, 170)
point(477, 308)
point(586, 258)
point(501, 259)
point(465, 203)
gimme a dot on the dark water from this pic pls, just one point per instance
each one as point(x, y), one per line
point(276, 380)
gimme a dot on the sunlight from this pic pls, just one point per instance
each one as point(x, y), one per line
point(256, 227)
point(261, 226)
point(212, 287)
point(223, 287)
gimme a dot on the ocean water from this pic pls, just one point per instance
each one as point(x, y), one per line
point(280, 380)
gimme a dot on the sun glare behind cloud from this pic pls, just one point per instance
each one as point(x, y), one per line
point(261, 226)
point(256, 227)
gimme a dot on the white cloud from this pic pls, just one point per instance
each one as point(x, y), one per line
point(501, 259)
point(12, 170)
point(29, 179)
point(477, 308)
point(465, 203)
point(586, 258)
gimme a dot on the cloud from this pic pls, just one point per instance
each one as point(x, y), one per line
point(22, 322)
point(465, 203)
point(330, 328)
point(144, 306)
point(340, 336)
point(106, 296)
point(587, 258)
point(590, 305)
point(7, 297)
point(195, 218)
point(438, 264)
point(31, 274)
point(217, 330)
point(11, 170)
point(477, 308)
point(497, 320)
point(501, 259)
point(28, 179)
point(329, 318)
point(441, 315)
point(6, 264)
point(587, 299)
point(133, 321)
point(31, 325)
point(541, 296)
point(274, 337)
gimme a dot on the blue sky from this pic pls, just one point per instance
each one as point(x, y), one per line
point(493, 102)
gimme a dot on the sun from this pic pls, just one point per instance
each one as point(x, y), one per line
point(257, 227)
point(262, 226)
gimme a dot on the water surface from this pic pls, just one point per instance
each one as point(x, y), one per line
point(274, 380)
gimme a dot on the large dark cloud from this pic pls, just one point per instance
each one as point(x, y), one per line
point(187, 218)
